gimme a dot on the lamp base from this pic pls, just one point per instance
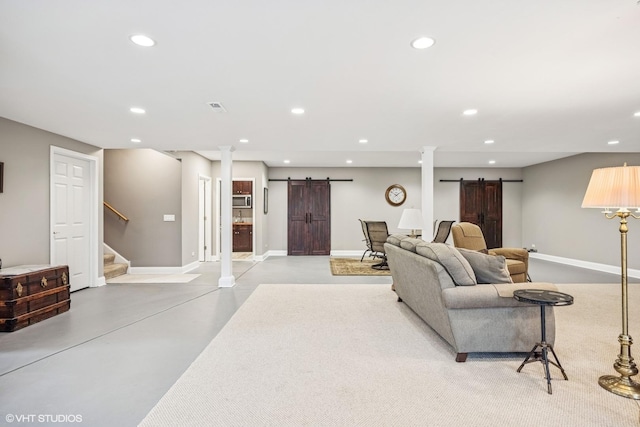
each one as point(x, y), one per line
point(622, 386)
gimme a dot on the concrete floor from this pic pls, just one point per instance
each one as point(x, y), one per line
point(121, 346)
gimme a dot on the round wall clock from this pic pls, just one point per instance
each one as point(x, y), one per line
point(395, 195)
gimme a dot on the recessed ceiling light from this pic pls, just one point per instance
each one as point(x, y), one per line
point(297, 111)
point(492, 162)
point(287, 161)
point(137, 110)
point(349, 162)
point(244, 141)
point(613, 142)
point(489, 141)
point(422, 43)
point(142, 40)
point(419, 162)
point(470, 112)
point(136, 140)
point(363, 141)
point(636, 114)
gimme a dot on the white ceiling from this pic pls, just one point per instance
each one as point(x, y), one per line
point(549, 78)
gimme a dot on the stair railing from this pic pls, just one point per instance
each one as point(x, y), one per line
point(115, 211)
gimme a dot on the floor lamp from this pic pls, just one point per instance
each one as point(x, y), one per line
point(618, 188)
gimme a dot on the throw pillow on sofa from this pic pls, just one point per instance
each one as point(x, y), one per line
point(487, 268)
point(456, 265)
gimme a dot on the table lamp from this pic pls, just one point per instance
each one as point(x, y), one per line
point(411, 219)
point(618, 188)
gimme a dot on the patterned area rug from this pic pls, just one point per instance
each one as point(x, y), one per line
point(353, 267)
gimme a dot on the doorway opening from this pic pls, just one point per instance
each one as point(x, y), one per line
point(242, 217)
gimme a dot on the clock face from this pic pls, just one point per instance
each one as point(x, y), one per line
point(396, 195)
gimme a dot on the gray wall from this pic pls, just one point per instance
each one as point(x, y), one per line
point(364, 199)
point(361, 199)
point(543, 210)
point(554, 221)
point(193, 166)
point(144, 185)
point(447, 198)
point(24, 204)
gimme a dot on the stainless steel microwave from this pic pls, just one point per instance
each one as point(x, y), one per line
point(242, 202)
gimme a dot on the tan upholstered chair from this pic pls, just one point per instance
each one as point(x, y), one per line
point(469, 236)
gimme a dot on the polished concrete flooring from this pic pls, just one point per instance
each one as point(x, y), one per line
point(121, 346)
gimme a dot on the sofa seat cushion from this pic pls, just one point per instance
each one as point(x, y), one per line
point(451, 259)
point(487, 268)
point(488, 296)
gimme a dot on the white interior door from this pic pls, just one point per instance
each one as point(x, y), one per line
point(71, 217)
point(204, 219)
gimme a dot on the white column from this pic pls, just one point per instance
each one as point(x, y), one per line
point(227, 279)
point(427, 192)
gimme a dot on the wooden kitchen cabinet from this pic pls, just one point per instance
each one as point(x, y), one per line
point(242, 238)
point(242, 187)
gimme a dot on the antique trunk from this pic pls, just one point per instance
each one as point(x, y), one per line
point(31, 293)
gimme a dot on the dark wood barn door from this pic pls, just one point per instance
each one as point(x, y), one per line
point(481, 204)
point(309, 225)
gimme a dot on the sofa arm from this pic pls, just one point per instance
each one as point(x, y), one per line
point(512, 253)
point(488, 296)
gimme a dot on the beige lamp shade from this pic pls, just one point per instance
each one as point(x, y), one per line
point(411, 219)
point(616, 187)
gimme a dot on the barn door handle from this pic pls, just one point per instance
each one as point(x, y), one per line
point(309, 217)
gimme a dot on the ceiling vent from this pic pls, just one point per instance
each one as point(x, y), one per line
point(217, 107)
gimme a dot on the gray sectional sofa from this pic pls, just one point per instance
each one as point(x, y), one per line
point(440, 284)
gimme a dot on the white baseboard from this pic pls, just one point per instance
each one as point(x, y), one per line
point(606, 268)
point(347, 254)
point(100, 281)
point(164, 270)
point(276, 253)
point(226, 282)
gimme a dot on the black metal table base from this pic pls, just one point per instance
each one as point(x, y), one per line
point(543, 356)
point(543, 298)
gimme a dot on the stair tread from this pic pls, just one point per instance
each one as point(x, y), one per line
point(109, 258)
point(114, 270)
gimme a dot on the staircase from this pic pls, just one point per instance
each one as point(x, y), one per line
point(112, 269)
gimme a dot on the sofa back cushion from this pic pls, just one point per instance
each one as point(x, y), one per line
point(410, 244)
point(395, 239)
point(451, 259)
point(487, 268)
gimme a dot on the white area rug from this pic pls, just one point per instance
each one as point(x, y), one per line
point(153, 278)
point(350, 355)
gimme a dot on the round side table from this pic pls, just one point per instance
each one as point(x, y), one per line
point(543, 298)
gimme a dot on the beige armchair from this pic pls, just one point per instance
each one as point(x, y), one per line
point(469, 236)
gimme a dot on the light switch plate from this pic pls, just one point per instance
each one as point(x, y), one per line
point(169, 218)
